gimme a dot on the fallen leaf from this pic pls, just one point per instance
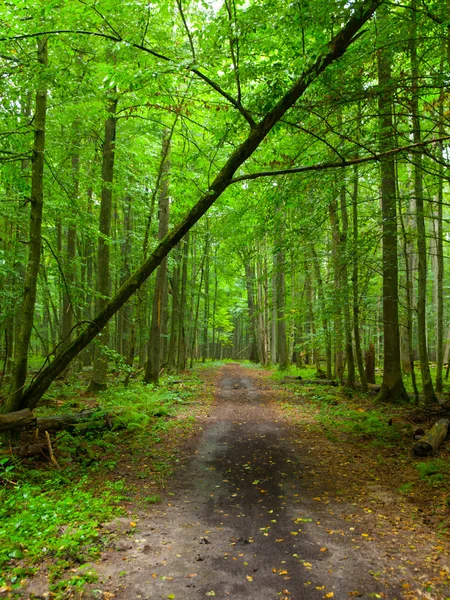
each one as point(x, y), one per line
point(249, 578)
point(133, 524)
point(323, 549)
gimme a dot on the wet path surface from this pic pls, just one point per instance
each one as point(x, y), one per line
point(244, 523)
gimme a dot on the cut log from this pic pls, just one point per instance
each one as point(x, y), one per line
point(16, 420)
point(431, 441)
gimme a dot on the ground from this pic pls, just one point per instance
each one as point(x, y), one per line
point(265, 507)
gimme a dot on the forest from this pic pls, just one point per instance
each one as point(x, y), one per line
point(192, 182)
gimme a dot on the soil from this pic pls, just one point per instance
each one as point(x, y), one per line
point(266, 509)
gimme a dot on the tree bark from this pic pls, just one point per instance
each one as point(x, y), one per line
point(335, 49)
point(159, 295)
point(355, 282)
point(98, 381)
point(13, 401)
point(392, 388)
point(427, 383)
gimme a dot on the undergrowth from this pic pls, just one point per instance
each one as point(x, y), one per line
point(54, 515)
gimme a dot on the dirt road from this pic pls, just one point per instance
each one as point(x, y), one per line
point(245, 523)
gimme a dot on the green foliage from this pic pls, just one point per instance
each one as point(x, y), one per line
point(54, 520)
point(435, 471)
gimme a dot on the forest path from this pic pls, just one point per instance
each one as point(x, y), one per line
point(250, 521)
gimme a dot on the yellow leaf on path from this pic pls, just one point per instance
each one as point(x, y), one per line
point(133, 524)
point(294, 532)
point(323, 549)
point(249, 578)
point(307, 564)
point(283, 573)
point(329, 595)
point(274, 570)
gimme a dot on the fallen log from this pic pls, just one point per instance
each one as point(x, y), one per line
point(431, 441)
point(54, 423)
point(16, 420)
point(24, 419)
point(291, 379)
point(319, 382)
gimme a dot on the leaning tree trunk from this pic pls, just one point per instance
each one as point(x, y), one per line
point(335, 49)
point(392, 387)
point(98, 381)
point(13, 401)
point(159, 296)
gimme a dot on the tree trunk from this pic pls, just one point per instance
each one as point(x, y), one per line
point(175, 315)
point(337, 266)
point(392, 388)
point(182, 346)
point(283, 359)
point(98, 381)
point(250, 285)
point(427, 383)
point(13, 401)
point(205, 342)
point(355, 282)
point(350, 379)
point(159, 295)
point(70, 257)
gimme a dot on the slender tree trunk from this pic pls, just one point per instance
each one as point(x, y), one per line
point(175, 316)
point(205, 344)
point(12, 402)
point(273, 336)
point(326, 330)
point(181, 360)
point(392, 387)
point(197, 307)
point(409, 309)
point(355, 284)
point(250, 284)
point(427, 383)
point(98, 381)
point(282, 349)
point(439, 245)
point(337, 266)
point(70, 258)
point(350, 379)
point(155, 343)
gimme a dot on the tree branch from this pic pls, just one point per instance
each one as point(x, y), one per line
point(337, 164)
